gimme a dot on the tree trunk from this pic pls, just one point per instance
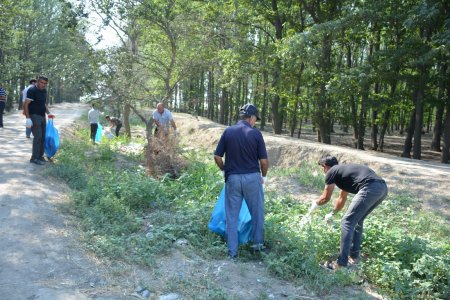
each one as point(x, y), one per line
point(362, 117)
point(386, 117)
point(210, 113)
point(445, 155)
point(126, 119)
point(384, 126)
point(353, 106)
point(222, 106)
point(276, 78)
point(264, 106)
point(375, 107)
point(410, 131)
point(417, 151)
point(276, 116)
point(148, 124)
point(440, 107)
point(437, 130)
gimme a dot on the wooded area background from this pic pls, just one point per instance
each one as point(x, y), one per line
point(372, 67)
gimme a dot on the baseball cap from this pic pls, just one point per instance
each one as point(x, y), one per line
point(249, 110)
point(328, 161)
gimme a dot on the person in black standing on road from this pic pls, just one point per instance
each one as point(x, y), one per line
point(2, 104)
point(35, 109)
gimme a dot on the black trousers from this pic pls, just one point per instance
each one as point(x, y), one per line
point(94, 127)
point(118, 126)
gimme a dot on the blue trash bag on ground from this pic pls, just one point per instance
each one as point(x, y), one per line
point(218, 221)
point(99, 133)
point(51, 139)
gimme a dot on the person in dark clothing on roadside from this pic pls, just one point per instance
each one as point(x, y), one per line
point(369, 189)
point(2, 104)
point(35, 109)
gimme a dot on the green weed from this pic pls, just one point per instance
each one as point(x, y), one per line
point(127, 215)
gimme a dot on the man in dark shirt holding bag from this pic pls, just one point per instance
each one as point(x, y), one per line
point(245, 171)
point(35, 109)
point(369, 189)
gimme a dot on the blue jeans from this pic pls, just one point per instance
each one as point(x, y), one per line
point(352, 223)
point(38, 129)
point(238, 187)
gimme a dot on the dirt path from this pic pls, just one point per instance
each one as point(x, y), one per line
point(39, 253)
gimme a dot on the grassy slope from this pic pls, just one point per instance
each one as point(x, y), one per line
point(407, 251)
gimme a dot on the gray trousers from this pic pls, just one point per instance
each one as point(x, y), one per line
point(38, 129)
point(352, 223)
point(238, 187)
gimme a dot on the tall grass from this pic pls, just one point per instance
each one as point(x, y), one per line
point(127, 215)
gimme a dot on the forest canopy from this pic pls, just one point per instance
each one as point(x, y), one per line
point(373, 67)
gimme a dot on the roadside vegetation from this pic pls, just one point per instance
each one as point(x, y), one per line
point(127, 215)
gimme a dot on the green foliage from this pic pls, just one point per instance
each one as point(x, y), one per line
point(128, 215)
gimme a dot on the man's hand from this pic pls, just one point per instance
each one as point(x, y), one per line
point(329, 217)
point(51, 116)
point(29, 123)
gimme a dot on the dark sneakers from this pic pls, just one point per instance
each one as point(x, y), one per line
point(38, 161)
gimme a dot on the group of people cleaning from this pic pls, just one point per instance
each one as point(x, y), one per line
point(162, 119)
point(94, 118)
point(245, 171)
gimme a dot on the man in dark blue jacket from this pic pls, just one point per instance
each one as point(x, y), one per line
point(245, 171)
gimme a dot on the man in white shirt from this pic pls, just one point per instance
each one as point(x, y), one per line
point(93, 116)
point(162, 117)
point(24, 96)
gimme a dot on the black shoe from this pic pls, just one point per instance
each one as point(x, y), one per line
point(37, 161)
point(42, 159)
point(28, 137)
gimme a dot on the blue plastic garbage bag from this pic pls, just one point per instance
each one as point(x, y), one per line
point(99, 133)
point(218, 221)
point(51, 139)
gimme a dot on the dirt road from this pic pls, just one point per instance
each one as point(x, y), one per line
point(39, 253)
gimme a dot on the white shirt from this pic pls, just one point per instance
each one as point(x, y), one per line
point(93, 116)
point(24, 92)
point(164, 118)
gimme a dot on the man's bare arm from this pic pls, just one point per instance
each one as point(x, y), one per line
point(326, 194)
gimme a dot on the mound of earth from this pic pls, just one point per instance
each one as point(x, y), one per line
point(425, 179)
